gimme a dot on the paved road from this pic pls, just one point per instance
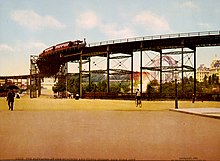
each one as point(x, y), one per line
point(108, 135)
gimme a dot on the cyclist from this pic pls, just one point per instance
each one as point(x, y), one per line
point(138, 97)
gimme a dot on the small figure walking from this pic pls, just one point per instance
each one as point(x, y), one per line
point(10, 99)
point(193, 98)
point(77, 96)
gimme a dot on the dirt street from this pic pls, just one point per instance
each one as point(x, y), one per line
point(112, 130)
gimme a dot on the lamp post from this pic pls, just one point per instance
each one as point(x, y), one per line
point(176, 96)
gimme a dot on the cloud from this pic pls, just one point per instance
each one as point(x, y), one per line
point(35, 47)
point(20, 48)
point(16, 57)
point(29, 48)
point(115, 31)
point(205, 26)
point(152, 22)
point(189, 5)
point(4, 48)
point(88, 20)
point(217, 11)
point(33, 21)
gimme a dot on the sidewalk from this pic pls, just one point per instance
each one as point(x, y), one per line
point(207, 112)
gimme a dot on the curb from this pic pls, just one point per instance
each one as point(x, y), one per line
point(197, 114)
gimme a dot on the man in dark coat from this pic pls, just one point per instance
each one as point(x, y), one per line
point(10, 99)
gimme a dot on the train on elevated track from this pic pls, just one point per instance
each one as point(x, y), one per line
point(50, 59)
point(62, 46)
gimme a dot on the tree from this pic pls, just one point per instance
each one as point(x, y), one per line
point(205, 81)
point(210, 80)
point(217, 80)
point(213, 79)
point(73, 85)
point(59, 87)
point(154, 82)
point(102, 86)
point(168, 87)
point(119, 87)
point(149, 90)
point(185, 80)
point(191, 79)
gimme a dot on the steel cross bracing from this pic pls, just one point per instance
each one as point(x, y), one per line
point(164, 65)
point(109, 69)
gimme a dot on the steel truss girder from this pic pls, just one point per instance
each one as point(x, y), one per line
point(170, 68)
point(119, 57)
point(177, 52)
point(112, 71)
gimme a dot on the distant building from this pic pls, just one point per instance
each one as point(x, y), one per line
point(215, 67)
point(203, 71)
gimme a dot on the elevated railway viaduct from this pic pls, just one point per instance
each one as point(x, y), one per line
point(19, 80)
point(50, 64)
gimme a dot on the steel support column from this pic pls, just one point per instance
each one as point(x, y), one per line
point(176, 94)
point(39, 85)
point(141, 57)
point(31, 88)
point(108, 87)
point(132, 73)
point(80, 76)
point(161, 70)
point(194, 72)
point(182, 73)
point(20, 82)
point(34, 78)
point(89, 74)
point(28, 85)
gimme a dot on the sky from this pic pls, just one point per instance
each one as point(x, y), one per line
point(27, 27)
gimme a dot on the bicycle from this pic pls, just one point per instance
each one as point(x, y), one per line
point(138, 103)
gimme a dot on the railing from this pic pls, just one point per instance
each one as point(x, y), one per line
point(155, 37)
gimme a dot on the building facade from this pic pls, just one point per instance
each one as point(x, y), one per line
point(203, 71)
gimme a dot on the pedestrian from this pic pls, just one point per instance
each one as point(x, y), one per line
point(193, 98)
point(10, 99)
point(77, 96)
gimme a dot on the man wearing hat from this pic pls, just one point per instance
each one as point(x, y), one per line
point(10, 99)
